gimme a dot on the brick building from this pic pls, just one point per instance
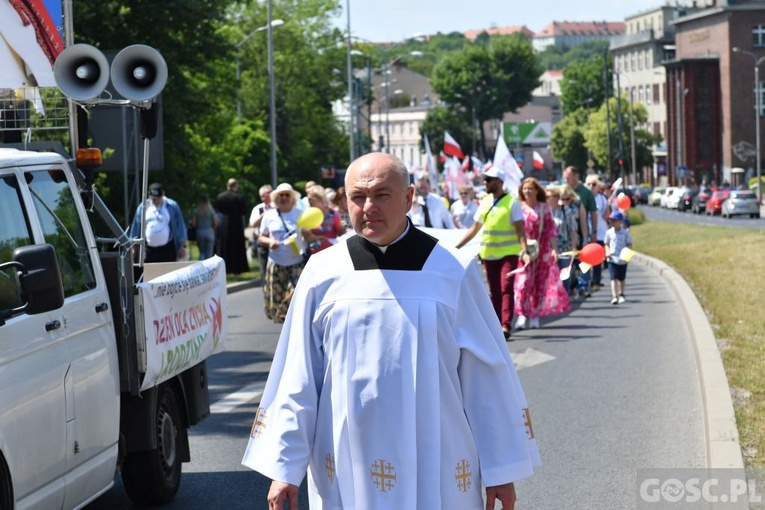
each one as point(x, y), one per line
point(711, 92)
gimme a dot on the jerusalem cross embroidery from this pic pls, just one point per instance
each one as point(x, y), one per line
point(329, 463)
point(463, 476)
point(383, 475)
point(259, 425)
point(527, 424)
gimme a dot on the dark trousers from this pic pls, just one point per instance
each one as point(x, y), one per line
point(262, 260)
point(597, 271)
point(501, 287)
point(164, 253)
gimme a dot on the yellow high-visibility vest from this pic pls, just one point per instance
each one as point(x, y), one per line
point(499, 238)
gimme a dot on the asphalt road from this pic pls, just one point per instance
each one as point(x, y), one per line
point(612, 389)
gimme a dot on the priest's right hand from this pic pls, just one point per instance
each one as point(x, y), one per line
point(281, 492)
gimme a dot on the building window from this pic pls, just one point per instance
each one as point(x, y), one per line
point(762, 99)
point(758, 35)
point(641, 61)
point(634, 61)
point(656, 96)
point(648, 59)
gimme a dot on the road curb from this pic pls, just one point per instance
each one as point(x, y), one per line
point(236, 287)
point(723, 446)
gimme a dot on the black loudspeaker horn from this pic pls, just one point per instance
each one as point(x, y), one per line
point(139, 73)
point(81, 72)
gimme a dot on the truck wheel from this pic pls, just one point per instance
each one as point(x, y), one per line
point(6, 487)
point(153, 477)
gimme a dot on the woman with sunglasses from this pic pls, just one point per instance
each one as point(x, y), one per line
point(280, 232)
point(565, 219)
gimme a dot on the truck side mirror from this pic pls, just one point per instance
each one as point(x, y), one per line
point(39, 279)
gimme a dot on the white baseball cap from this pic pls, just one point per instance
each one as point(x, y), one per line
point(495, 173)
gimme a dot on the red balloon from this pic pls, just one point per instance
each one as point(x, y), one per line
point(623, 202)
point(592, 254)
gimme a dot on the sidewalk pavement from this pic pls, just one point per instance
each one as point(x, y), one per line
point(723, 446)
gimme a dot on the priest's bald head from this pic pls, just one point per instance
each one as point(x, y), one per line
point(379, 196)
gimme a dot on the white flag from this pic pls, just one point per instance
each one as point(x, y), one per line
point(505, 160)
point(430, 165)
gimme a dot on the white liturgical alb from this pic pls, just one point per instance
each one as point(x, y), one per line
point(392, 384)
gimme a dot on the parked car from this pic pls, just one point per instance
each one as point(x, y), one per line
point(642, 193)
point(714, 203)
point(665, 198)
point(699, 200)
point(654, 198)
point(741, 203)
point(685, 198)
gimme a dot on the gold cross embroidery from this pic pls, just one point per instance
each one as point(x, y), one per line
point(329, 463)
point(383, 475)
point(527, 424)
point(259, 424)
point(463, 476)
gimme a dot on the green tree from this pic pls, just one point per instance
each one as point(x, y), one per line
point(203, 141)
point(582, 85)
point(567, 140)
point(596, 135)
point(487, 81)
point(192, 46)
point(559, 57)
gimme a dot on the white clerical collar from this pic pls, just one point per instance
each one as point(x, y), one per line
point(384, 248)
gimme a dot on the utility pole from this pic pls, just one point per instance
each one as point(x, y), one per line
point(607, 93)
point(621, 127)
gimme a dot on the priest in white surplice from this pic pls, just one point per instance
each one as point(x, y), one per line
point(392, 385)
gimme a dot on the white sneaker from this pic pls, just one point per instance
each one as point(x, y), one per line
point(521, 322)
point(621, 299)
point(534, 323)
point(614, 301)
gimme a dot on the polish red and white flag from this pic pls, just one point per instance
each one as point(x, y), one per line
point(539, 162)
point(451, 147)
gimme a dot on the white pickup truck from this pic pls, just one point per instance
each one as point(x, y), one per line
point(72, 353)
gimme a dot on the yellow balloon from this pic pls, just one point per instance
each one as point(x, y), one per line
point(310, 218)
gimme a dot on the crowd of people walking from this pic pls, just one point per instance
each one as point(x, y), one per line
point(528, 245)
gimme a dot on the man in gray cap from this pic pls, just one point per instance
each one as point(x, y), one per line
point(165, 232)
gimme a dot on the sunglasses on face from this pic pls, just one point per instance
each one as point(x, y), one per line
point(464, 194)
point(284, 195)
point(566, 199)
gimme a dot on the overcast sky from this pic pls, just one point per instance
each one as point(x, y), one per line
point(394, 20)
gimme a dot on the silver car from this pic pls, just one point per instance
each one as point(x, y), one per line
point(741, 202)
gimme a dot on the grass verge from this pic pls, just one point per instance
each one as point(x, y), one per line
point(724, 268)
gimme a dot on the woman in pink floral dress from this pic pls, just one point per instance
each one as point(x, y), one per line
point(538, 289)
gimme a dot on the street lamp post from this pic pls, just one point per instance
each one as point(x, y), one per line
point(632, 125)
point(356, 111)
point(350, 86)
point(272, 96)
point(757, 110)
point(274, 23)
